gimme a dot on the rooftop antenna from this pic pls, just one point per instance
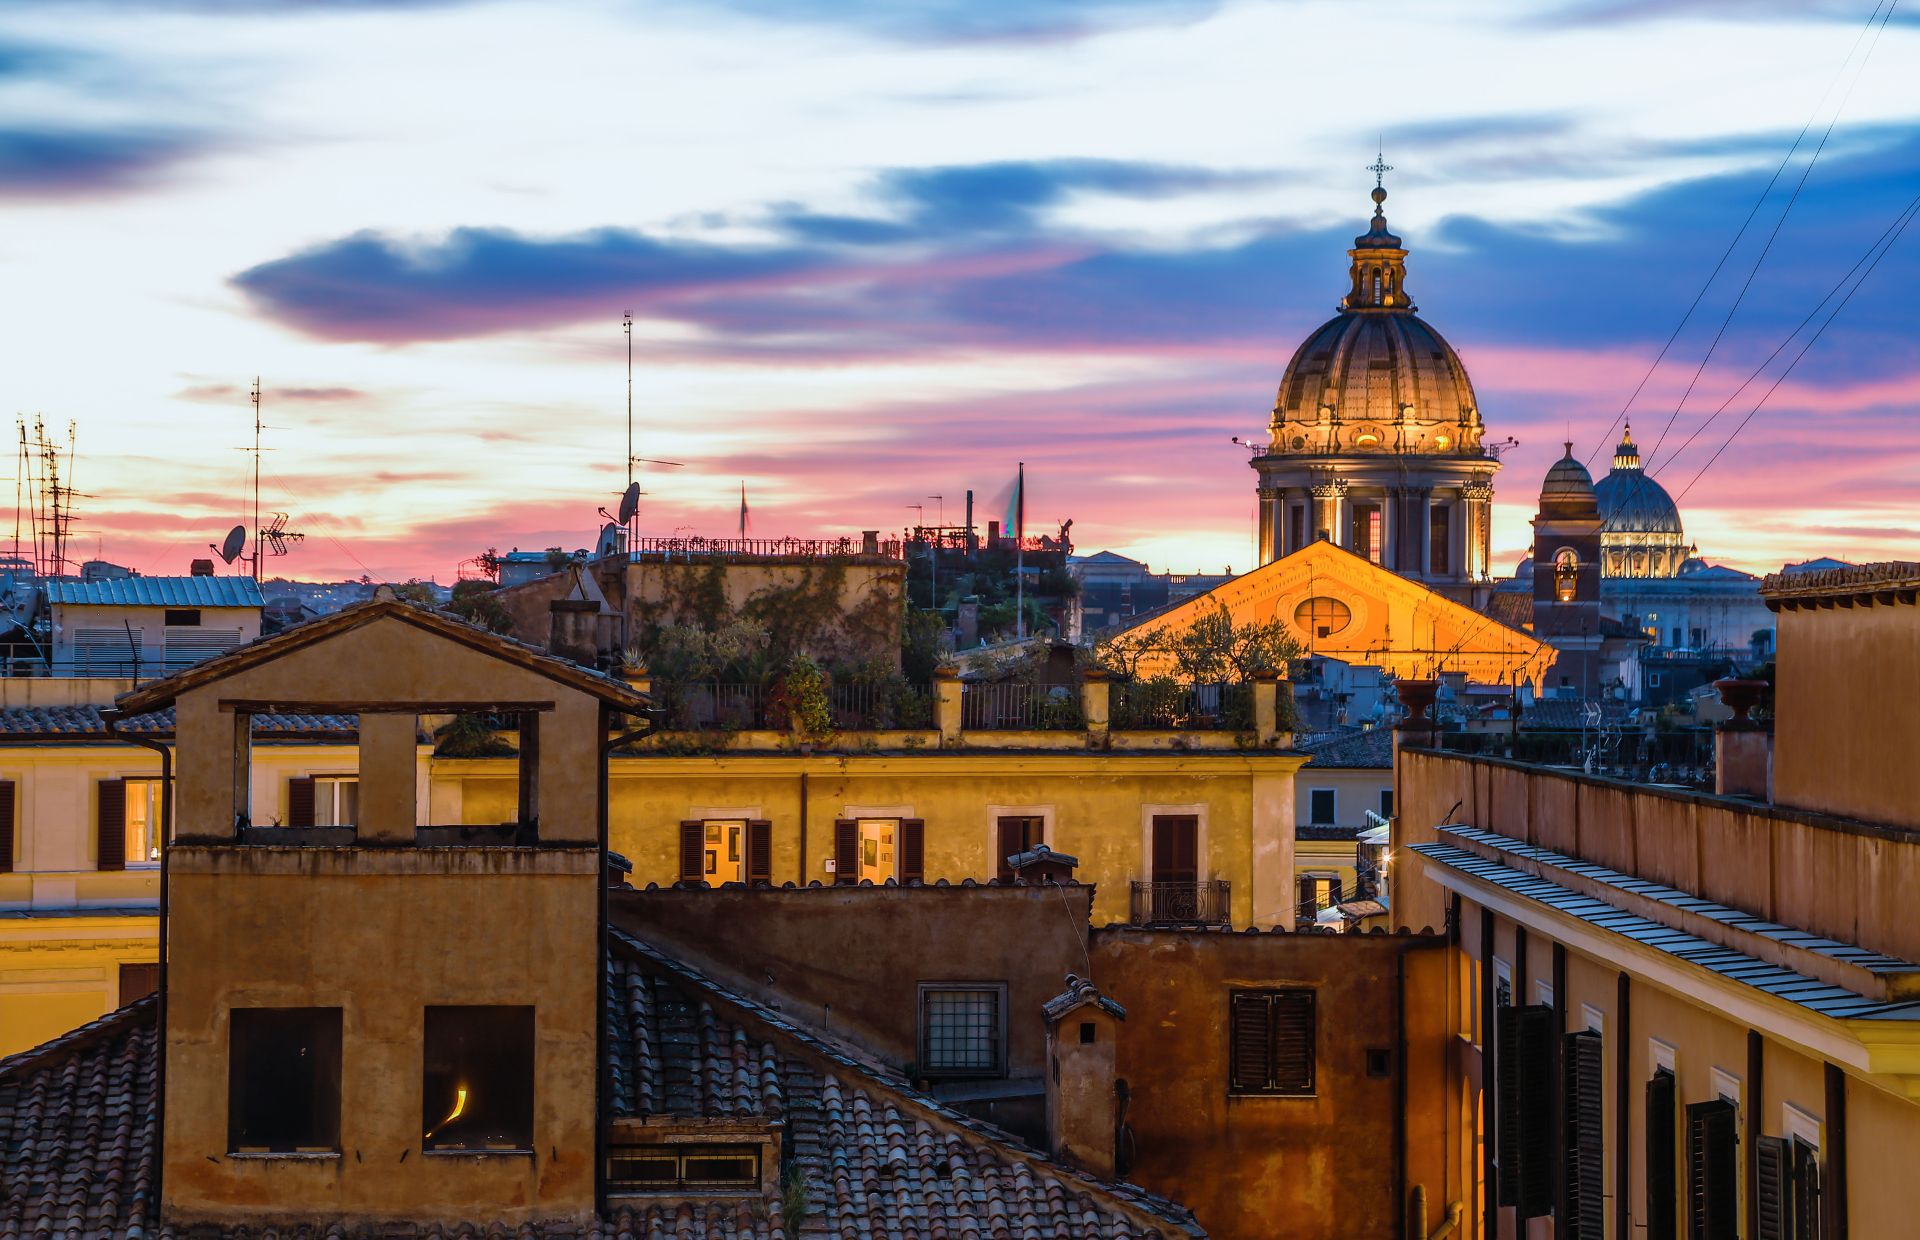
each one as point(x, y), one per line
point(272, 538)
point(626, 324)
point(232, 545)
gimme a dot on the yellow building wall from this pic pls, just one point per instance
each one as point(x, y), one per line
point(1097, 807)
point(58, 973)
point(381, 934)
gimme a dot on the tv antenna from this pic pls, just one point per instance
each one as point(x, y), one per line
point(271, 539)
point(52, 499)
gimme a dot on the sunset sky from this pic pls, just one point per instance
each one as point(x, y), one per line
point(879, 251)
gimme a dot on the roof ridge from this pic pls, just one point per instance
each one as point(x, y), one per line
point(1121, 1197)
point(93, 1032)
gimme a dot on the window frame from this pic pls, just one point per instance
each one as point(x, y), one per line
point(681, 1185)
point(1333, 817)
point(238, 1017)
point(922, 1028)
point(155, 801)
point(335, 780)
point(1273, 1088)
point(429, 1124)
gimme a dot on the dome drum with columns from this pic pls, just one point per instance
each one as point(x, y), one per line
point(1375, 439)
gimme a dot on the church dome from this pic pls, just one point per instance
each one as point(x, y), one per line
point(1631, 502)
point(1376, 377)
point(1568, 490)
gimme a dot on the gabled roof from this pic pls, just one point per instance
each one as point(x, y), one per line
point(1358, 749)
point(382, 606)
point(157, 592)
point(1079, 993)
point(21, 723)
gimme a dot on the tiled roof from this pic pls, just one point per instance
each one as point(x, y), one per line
point(1361, 748)
point(157, 592)
point(1571, 714)
point(86, 722)
point(78, 1139)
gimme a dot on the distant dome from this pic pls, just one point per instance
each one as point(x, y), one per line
point(1631, 502)
point(1568, 490)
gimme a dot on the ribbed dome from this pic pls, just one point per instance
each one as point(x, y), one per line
point(1568, 490)
point(1630, 501)
point(1370, 367)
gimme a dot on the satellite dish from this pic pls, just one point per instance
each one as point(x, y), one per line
point(609, 541)
point(630, 502)
point(234, 542)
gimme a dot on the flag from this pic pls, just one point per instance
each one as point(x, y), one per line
point(743, 509)
point(1016, 506)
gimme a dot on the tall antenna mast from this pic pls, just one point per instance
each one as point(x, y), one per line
point(626, 322)
point(256, 477)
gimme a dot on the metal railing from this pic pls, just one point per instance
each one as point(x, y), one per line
point(712, 704)
point(860, 707)
point(1016, 705)
point(766, 548)
point(1200, 902)
point(1160, 704)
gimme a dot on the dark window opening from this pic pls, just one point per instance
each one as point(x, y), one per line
point(1271, 1042)
point(1379, 1062)
point(1321, 804)
point(478, 1091)
point(137, 981)
point(1440, 540)
point(283, 1081)
point(1661, 1142)
point(1524, 1087)
point(1018, 835)
point(675, 1168)
point(962, 1030)
point(1386, 802)
point(1713, 1171)
point(1086, 1033)
point(1583, 1111)
point(183, 618)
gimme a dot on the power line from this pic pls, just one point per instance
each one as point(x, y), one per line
point(1905, 218)
point(1742, 232)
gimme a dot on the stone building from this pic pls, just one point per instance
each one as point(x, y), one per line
point(1376, 437)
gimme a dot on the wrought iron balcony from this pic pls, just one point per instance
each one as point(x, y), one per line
point(1204, 902)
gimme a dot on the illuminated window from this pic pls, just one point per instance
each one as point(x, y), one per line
point(144, 799)
point(283, 1081)
point(336, 800)
point(478, 1093)
point(1566, 574)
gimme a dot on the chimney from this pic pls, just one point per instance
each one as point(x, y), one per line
point(1041, 864)
point(575, 631)
point(1083, 1094)
point(869, 542)
point(1742, 746)
point(993, 534)
point(200, 568)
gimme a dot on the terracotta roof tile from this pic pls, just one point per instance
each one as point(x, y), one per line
point(86, 722)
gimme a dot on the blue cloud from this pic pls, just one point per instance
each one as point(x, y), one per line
point(1605, 12)
point(62, 162)
point(479, 281)
point(966, 21)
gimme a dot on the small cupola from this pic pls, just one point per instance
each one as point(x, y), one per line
point(1379, 270)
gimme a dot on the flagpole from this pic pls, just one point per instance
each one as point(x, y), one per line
point(1020, 553)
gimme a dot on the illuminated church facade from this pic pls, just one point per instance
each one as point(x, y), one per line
point(1375, 442)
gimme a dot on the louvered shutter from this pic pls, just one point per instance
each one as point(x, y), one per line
point(1293, 1034)
point(1712, 1192)
point(1012, 840)
point(1806, 1192)
point(913, 850)
point(6, 826)
point(1584, 1111)
point(1252, 1042)
point(1771, 1205)
point(759, 851)
point(1539, 1155)
point(300, 802)
point(693, 851)
point(1662, 1216)
point(111, 825)
point(846, 850)
point(1506, 1089)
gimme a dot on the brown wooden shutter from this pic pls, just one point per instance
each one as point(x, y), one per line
point(913, 850)
point(137, 981)
point(1506, 1076)
point(1662, 1217)
point(1583, 1110)
point(1251, 1046)
point(846, 850)
point(1772, 1158)
point(1012, 840)
point(1806, 1192)
point(1293, 1034)
point(111, 823)
point(759, 851)
point(693, 851)
point(300, 802)
point(1539, 1152)
point(1712, 1187)
point(6, 826)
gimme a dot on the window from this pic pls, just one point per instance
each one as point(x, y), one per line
point(183, 617)
point(1789, 1189)
point(1583, 1104)
point(1526, 1146)
point(1440, 537)
point(1712, 1170)
point(137, 981)
point(1317, 891)
point(478, 1093)
point(1386, 802)
point(726, 850)
point(336, 800)
point(1296, 527)
point(1366, 540)
point(1322, 616)
point(877, 849)
point(1016, 835)
point(1566, 574)
point(283, 1081)
point(143, 820)
point(1271, 1042)
point(1321, 803)
point(963, 1029)
point(1662, 1215)
point(679, 1168)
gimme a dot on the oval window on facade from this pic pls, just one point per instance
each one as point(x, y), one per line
point(1322, 616)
